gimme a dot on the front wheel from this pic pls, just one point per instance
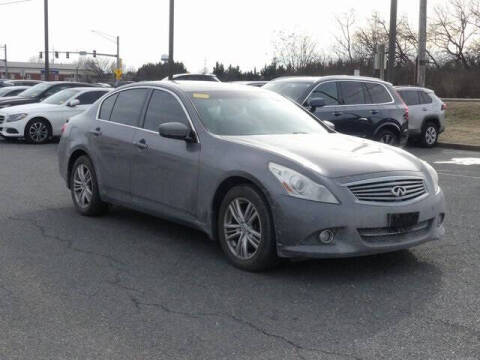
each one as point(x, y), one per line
point(245, 229)
point(387, 136)
point(38, 131)
point(84, 188)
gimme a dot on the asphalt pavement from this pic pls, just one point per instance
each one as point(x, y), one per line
point(131, 286)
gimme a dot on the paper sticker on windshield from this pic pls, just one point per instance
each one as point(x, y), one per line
point(201, 96)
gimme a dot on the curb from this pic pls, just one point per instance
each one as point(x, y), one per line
point(459, 146)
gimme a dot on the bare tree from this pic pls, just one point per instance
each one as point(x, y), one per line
point(453, 29)
point(368, 37)
point(344, 41)
point(295, 51)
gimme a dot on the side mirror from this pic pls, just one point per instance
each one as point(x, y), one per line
point(175, 130)
point(73, 103)
point(329, 124)
point(316, 103)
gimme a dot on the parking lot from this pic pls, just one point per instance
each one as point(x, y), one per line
point(130, 286)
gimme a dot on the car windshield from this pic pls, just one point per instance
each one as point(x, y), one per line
point(237, 113)
point(61, 97)
point(6, 90)
point(295, 90)
point(36, 90)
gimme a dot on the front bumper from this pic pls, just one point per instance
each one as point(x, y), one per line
point(298, 223)
point(14, 129)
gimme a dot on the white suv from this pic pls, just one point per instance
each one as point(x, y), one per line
point(426, 114)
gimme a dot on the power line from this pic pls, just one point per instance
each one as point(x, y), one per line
point(13, 2)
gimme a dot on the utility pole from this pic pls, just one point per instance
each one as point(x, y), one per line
point(118, 52)
point(5, 59)
point(380, 60)
point(47, 64)
point(392, 40)
point(422, 44)
point(170, 41)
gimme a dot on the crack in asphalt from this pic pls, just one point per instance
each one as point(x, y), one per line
point(298, 347)
point(68, 242)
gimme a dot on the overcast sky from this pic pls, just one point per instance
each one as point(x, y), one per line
point(236, 32)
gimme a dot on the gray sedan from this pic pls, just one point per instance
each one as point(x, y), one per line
point(251, 169)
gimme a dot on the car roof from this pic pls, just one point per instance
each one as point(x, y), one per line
point(408, 87)
point(91, 89)
point(193, 85)
point(315, 79)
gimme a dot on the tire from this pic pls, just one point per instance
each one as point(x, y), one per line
point(84, 188)
point(38, 131)
point(256, 234)
point(387, 136)
point(429, 135)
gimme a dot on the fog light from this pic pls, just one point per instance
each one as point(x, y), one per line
point(326, 236)
point(441, 218)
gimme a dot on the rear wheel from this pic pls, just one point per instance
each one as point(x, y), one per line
point(430, 134)
point(38, 131)
point(387, 136)
point(84, 188)
point(245, 229)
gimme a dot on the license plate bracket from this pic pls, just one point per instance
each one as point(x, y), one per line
point(403, 220)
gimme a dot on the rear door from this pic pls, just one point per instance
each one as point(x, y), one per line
point(328, 91)
point(165, 171)
point(111, 139)
point(416, 111)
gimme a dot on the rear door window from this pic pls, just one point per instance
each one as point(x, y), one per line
point(129, 106)
point(163, 108)
point(378, 93)
point(328, 91)
point(353, 93)
point(410, 97)
point(425, 98)
point(107, 106)
point(90, 97)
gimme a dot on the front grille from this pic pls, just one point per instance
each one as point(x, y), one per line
point(392, 235)
point(391, 189)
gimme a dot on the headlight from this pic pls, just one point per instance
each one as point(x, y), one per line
point(16, 117)
point(433, 175)
point(300, 186)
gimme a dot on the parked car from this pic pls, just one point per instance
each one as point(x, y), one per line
point(22, 82)
point(257, 83)
point(195, 77)
point(39, 92)
point(359, 106)
point(12, 90)
point(426, 114)
point(38, 123)
point(251, 169)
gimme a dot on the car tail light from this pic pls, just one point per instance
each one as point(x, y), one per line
point(64, 127)
point(405, 114)
point(444, 107)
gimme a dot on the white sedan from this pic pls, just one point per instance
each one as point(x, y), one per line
point(38, 123)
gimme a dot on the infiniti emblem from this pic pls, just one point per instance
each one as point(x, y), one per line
point(399, 191)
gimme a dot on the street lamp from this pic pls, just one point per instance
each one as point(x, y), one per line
point(170, 41)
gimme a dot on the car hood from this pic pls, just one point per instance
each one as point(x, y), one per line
point(334, 155)
point(29, 108)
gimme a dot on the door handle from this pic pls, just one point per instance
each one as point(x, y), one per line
point(96, 132)
point(363, 119)
point(141, 144)
point(337, 113)
point(424, 109)
point(374, 112)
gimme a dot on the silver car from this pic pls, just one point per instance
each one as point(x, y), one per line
point(251, 169)
point(426, 114)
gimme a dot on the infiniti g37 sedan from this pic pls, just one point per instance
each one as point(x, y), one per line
point(250, 168)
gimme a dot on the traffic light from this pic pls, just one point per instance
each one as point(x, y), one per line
point(56, 54)
point(68, 55)
point(40, 55)
point(94, 53)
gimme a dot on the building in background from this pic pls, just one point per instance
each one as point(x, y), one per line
point(60, 72)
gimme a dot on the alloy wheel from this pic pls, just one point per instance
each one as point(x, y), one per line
point(430, 135)
point(242, 228)
point(82, 186)
point(387, 139)
point(38, 132)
